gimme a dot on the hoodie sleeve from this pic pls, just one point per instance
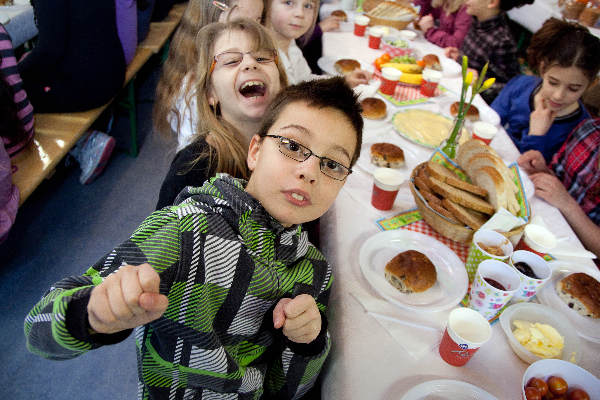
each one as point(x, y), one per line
point(57, 326)
point(297, 366)
point(452, 30)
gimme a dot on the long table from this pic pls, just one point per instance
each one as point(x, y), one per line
point(374, 357)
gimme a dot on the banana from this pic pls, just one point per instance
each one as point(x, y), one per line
point(411, 79)
point(406, 68)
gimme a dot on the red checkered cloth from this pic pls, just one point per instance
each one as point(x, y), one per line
point(423, 227)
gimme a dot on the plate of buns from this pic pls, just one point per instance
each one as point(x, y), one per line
point(342, 66)
point(576, 295)
point(447, 389)
point(385, 153)
point(413, 271)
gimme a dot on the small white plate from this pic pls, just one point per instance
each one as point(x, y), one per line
point(452, 280)
point(327, 65)
point(447, 389)
point(364, 161)
point(588, 328)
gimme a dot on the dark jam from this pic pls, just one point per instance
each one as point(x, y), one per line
point(525, 270)
point(494, 283)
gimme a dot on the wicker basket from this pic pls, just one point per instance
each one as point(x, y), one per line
point(368, 5)
point(398, 24)
point(443, 226)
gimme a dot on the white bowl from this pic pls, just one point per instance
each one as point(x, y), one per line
point(407, 35)
point(388, 39)
point(576, 377)
point(534, 312)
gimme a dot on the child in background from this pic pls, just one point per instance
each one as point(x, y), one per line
point(290, 19)
point(538, 113)
point(572, 181)
point(175, 108)
point(453, 21)
point(229, 103)
point(490, 39)
point(226, 295)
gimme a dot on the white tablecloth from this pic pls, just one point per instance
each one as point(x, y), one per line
point(18, 21)
point(377, 359)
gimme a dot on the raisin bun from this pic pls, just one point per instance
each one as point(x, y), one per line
point(373, 108)
point(411, 272)
point(581, 292)
point(340, 14)
point(472, 113)
point(387, 155)
point(346, 65)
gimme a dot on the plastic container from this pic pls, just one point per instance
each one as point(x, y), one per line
point(533, 312)
point(576, 377)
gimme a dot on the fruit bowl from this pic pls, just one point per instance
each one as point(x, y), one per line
point(576, 377)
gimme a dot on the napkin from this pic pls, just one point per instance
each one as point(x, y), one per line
point(417, 333)
point(564, 249)
point(503, 221)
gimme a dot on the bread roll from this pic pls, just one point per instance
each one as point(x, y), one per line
point(346, 65)
point(373, 108)
point(411, 272)
point(340, 14)
point(472, 112)
point(387, 155)
point(432, 61)
point(581, 292)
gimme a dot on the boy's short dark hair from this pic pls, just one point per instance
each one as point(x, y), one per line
point(319, 93)
point(506, 5)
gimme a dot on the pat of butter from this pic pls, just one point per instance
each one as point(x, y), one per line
point(540, 339)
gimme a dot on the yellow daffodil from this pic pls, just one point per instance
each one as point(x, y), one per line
point(487, 84)
point(469, 78)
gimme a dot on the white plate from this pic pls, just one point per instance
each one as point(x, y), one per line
point(364, 161)
point(326, 65)
point(588, 328)
point(452, 281)
point(446, 389)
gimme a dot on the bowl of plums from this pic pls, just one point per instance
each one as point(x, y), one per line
point(558, 379)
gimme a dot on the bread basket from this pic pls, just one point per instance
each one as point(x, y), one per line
point(398, 23)
point(442, 225)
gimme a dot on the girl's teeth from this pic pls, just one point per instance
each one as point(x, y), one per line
point(297, 196)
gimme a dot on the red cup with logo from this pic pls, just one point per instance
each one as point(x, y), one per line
point(386, 182)
point(430, 81)
point(375, 35)
point(389, 80)
point(466, 332)
point(360, 25)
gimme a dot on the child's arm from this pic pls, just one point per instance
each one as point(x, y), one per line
point(454, 38)
point(58, 327)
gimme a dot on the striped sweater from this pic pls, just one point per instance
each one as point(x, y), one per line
point(224, 263)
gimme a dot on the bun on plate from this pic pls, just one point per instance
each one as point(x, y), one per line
point(581, 292)
point(472, 113)
point(373, 108)
point(340, 14)
point(346, 65)
point(387, 155)
point(411, 272)
point(432, 61)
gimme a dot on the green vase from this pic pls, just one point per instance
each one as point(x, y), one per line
point(451, 144)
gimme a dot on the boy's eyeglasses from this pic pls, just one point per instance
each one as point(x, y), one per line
point(234, 58)
point(298, 152)
point(221, 6)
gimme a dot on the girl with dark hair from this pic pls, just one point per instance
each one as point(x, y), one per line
point(539, 112)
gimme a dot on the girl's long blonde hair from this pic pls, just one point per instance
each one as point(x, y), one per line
point(226, 151)
point(182, 61)
point(450, 6)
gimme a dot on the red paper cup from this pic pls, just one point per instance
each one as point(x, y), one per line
point(386, 182)
point(360, 25)
point(430, 81)
point(484, 131)
point(465, 333)
point(389, 80)
point(375, 35)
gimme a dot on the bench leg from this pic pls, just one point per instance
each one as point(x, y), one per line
point(129, 103)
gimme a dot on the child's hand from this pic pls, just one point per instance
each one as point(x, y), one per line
point(126, 299)
point(451, 52)
point(299, 317)
point(532, 161)
point(549, 188)
point(541, 118)
point(357, 77)
point(330, 23)
point(426, 22)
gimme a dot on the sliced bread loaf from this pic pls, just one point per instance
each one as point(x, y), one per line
point(472, 219)
point(442, 173)
point(460, 196)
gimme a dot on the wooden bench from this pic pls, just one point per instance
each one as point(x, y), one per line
point(57, 133)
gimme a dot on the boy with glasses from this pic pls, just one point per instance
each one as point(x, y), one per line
point(226, 295)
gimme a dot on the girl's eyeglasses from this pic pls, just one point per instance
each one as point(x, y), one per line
point(234, 58)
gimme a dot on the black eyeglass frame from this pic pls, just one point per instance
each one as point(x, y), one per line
point(308, 153)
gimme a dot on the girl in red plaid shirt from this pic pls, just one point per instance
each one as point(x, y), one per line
point(571, 182)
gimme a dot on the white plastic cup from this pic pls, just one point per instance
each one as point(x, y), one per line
point(537, 239)
point(486, 299)
point(407, 35)
point(465, 333)
point(529, 286)
point(484, 131)
point(389, 80)
point(386, 182)
point(360, 24)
